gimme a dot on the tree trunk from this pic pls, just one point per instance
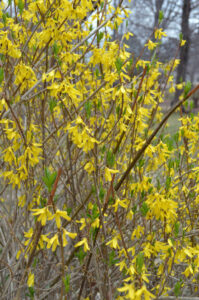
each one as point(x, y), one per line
point(184, 50)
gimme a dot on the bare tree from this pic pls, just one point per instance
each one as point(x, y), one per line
point(145, 16)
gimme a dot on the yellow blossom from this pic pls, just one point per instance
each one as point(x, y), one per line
point(182, 43)
point(58, 215)
point(108, 173)
point(84, 243)
point(30, 281)
point(43, 213)
point(151, 45)
point(159, 33)
point(53, 242)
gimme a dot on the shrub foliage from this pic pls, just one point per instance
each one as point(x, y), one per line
point(95, 197)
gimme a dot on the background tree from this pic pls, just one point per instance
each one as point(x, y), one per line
point(184, 51)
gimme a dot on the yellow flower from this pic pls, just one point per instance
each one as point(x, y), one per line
point(54, 242)
point(83, 242)
point(96, 223)
point(29, 233)
point(70, 234)
point(183, 42)
point(122, 203)
point(44, 215)
point(58, 215)
point(89, 167)
point(128, 288)
point(67, 233)
point(83, 221)
point(30, 281)
point(9, 156)
point(143, 291)
point(114, 242)
point(159, 33)
point(108, 173)
point(151, 45)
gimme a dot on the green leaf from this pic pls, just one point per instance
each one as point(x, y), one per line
point(158, 184)
point(99, 103)
point(53, 177)
point(80, 255)
point(115, 25)
point(142, 194)
point(148, 68)
point(93, 189)
point(161, 16)
point(117, 110)
point(169, 143)
point(69, 210)
point(110, 158)
point(100, 36)
point(118, 64)
point(1, 75)
point(101, 193)
point(187, 88)
point(168, 182)
point(102, 4)
point(88, 107)
point(177, 288)
point(97, 72)
point(112, 260)
point(176, 137)
point(4, 19)
point(177, 163)
point(49, 179)
point(144, 209)
point(95, 212)
point(20, 6)
point(52, 104)
point(56, 49)
point(181, 36)
point(170, 164)
point(2, 57)
point(47, 173)
point(140, 262)
point(150, 190)
point(191, 104)
point(141, 163)
point(130, 64)
point(134, 208)
point(35, 262)
point(103, 149)
point(93, 232)
point(43, 202)
point(176, 228)
point(31, 291)
point(66, 282)
point(186, 104)
point(111, 200)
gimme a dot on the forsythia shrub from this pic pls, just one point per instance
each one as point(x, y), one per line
point(95, 197)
